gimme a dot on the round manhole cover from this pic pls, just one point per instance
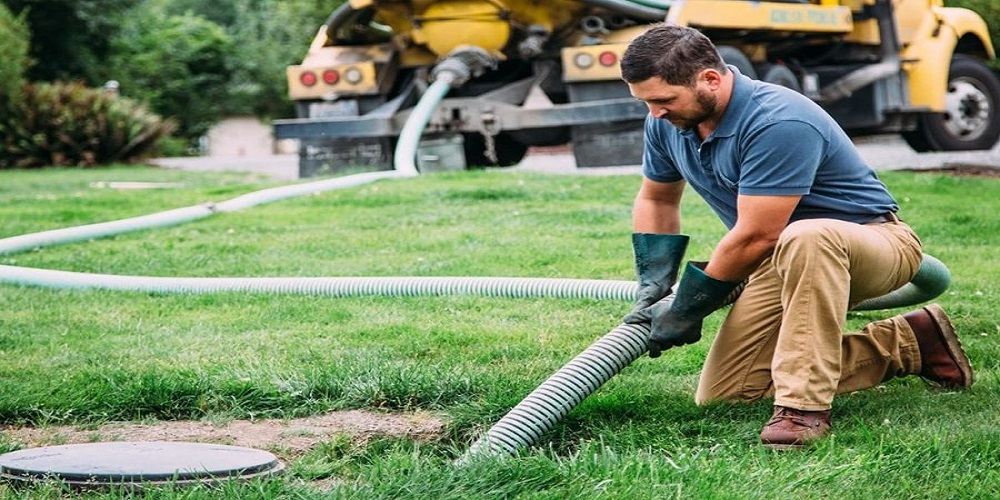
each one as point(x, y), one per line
point(94, 465)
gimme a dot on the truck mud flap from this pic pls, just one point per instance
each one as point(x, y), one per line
point(318, 157)
point(608, 144)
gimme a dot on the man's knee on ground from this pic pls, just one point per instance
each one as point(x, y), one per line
point(704, 397)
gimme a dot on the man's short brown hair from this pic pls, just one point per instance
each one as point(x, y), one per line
point(674, 53)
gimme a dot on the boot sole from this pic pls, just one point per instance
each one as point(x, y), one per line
point(784, 447)
point(953, 344)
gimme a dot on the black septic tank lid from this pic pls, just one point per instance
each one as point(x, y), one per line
point(139, 463)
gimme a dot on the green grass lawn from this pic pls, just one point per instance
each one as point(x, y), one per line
point(88, 357)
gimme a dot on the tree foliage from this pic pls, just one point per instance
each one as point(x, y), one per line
point(70, 38)
point(270, 35)
point(14, 48)
point(200, 61)
point(267, 36)
point(192, 60)
point(178, 64)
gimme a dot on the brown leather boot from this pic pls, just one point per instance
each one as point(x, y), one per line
point(791, 429)
point(942, 360)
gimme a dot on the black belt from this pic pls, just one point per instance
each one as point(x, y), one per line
point(886, 217)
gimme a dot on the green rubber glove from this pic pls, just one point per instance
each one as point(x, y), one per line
point(678, 322)
point(657, 261)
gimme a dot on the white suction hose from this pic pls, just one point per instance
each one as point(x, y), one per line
point(25, 242)
point(462, 64)
point(177, 216)
point(331, 287)
point(404, 157)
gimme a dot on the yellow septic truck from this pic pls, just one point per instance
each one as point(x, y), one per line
point(524, 73)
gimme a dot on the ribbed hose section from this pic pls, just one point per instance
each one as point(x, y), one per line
point(931, 280)
point(25, 242)
point(306, 188)
point(177, 216)
point(332, 287)
point(525, 424)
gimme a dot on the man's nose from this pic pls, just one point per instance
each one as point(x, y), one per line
point(657, 111)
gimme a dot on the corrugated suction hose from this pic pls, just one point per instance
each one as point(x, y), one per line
point(331, 287)
point(550, 402)
point(931, 280)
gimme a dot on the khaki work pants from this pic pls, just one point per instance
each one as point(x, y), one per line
point(784, 335)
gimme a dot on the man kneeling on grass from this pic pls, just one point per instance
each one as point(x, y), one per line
point(812, 232)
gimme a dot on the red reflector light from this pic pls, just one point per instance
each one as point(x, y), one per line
point(308, 78)
point(331, 77)
point(607, 58)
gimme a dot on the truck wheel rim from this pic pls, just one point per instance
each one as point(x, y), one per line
point(967, 110)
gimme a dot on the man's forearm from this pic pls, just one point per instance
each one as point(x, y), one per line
point(736, 257)
point(650, 217)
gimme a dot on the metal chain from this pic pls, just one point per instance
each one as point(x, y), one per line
point(491, 148)
point(489, 130)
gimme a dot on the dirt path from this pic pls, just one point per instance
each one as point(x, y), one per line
point(283, 437)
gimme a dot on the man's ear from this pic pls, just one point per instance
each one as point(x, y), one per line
point(711, 76)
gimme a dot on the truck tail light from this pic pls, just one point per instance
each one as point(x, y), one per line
point(353, 76)
point(308, 78)
point(331, 77)
point(583, 60)
point(607, 58)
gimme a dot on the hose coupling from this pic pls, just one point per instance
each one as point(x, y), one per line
point(464, 63)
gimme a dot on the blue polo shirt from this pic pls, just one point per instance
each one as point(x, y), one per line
point(771, 141)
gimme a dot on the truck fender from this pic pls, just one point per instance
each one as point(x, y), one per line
point(928, 59)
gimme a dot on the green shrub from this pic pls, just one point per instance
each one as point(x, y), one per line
point(177, 65)
point(69, 124)
point(14, 47)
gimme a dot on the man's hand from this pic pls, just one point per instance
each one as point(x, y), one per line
point(678, 322)
point(668, 330)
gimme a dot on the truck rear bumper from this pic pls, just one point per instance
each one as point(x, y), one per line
point(466, 115)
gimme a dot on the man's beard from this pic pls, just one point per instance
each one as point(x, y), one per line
point(707, 106)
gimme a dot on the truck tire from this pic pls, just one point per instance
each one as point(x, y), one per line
point(971, 119)
point(736, 57)
point(509, 151)
point(779, 74)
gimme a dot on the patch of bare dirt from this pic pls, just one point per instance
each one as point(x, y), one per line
point(965, 170)
point(282, 436)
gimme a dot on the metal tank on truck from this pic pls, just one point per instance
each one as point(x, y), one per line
point(511, 74)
